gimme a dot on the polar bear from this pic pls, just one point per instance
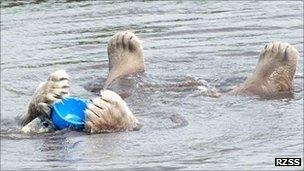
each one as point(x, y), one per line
point(274, 72)
point(105, 113)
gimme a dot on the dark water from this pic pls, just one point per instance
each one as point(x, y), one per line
point(189, 47)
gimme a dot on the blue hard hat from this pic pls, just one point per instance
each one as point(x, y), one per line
point(69, 113)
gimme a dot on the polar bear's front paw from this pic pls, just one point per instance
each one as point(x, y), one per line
point(55, 88)
point(109, 113)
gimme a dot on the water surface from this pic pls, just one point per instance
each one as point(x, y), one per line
point(189, 47)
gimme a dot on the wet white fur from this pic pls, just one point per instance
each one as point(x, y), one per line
point(55, 88)
point(106, 113)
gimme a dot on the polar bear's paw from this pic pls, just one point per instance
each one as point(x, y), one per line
point(125, 56)
point(123, 44)
point(55, 88)
point(278, 51)
point(109, 113)
point(274, 72)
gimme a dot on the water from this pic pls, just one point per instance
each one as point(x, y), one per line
point(189, 47)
